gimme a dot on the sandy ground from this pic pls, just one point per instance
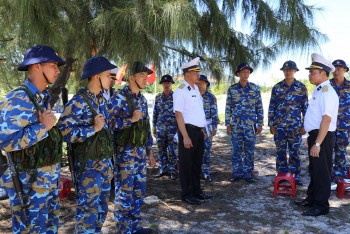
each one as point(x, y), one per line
point(237, 207)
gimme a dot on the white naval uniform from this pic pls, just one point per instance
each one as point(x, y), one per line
point(324, 101)
point(189, 102)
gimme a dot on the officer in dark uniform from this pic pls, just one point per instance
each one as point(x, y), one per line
point(320, 122)
point(190, 117)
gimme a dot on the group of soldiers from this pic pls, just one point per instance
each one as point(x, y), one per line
point(108, 132)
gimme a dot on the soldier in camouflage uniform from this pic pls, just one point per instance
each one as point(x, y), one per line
point(84, 124)
point(28, 135)
point(134, 142)
point(211, 116)
point(288, 105)
point(164, 128)
point(243, 119)
point(342, 87)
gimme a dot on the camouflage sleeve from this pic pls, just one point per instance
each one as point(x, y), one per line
point(214, 112)
point(19, 126)
point(272, 107)
point(75, 122)
point(155, 111)
point(259, 109)
point(113, 107)
point(228, 107)
point(305, 102)
point(119, 112)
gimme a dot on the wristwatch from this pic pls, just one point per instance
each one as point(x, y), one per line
point(317, 144)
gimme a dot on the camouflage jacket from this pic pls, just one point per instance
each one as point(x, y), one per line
point(244, 105)
point(287, 104)
point(210, 108)
point(120, 112)
point(76, 122)
point(19, 123)
point(343, 91)
point(163, 113)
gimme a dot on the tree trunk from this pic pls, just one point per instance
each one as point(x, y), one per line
point(62, 80)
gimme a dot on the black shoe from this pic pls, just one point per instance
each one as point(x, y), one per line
point(235, 178)
point(143, 230)
point(204, 196)
point(207, 178)
point(192, 201)
point(161, 174)
point(315, 212)
point(303, 203)
point(249, 180)
point(173, 176)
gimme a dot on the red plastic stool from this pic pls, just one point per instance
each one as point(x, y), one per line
point(342, 191)
point(289, 188)
point(65, 189)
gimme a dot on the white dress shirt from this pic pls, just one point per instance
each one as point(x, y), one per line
point(324, 101)
point(189, 102)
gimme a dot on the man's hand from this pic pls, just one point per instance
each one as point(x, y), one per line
point(315, 151)
point(213, 133)
point(273, 130)
point(136, 116)
point(152, 161)
point(229, 130)
point(99, 122)
point(48, 119)
point(258, 130)
point(187, 142)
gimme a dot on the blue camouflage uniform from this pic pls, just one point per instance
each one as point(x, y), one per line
point(164, 122)
point(343, 128)
point(243, 112)
point(92, 149)
point(211, 116)
point(20, 129)
point(131, 165)
point(94, 181)
point(287, 106)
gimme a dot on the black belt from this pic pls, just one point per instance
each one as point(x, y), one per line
point(193, 126)
point(315, 131)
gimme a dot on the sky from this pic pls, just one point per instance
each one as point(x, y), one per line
point(333, 21)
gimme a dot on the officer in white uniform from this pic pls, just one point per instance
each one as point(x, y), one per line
point(320, 122)
point(190, 117)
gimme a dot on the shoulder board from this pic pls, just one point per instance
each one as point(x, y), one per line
point(324, 88)
point(181, 86)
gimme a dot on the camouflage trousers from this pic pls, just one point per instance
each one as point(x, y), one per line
point(41, 197)
point(130, 189)
point(341, 142)
point(167, 158)
point(94, 185)
point(288, 139)
point(206, 168)
point(243, 144)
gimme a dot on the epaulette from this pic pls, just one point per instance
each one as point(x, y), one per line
point(181, 86)
point(324, 88)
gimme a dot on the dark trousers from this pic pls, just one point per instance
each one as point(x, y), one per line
point(190, 161)
point(320, 170)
